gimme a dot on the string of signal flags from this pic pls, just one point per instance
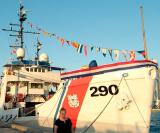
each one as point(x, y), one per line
point(83, 48)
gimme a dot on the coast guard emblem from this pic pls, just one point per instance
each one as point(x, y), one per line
point(73, 101)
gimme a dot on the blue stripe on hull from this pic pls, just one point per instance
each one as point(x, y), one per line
point(106, 71)
point(60, 101)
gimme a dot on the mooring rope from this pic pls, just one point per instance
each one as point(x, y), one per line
point(110, 101)
point(102, 110)
point(136, 104)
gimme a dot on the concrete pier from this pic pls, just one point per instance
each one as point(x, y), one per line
point(9, 130)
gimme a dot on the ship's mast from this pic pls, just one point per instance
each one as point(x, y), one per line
point(20, 31)
point(143, 33)
point(22, 18)
point(37, 50)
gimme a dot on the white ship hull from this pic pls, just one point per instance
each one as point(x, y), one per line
point(113, 98)
point(8, 116)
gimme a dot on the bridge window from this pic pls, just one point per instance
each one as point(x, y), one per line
point(36, 85)
point(43, 70)
point(31, 70)
point(39, 69)
point(35, 70)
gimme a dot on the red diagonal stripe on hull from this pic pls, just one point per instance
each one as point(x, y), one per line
point(79, 88)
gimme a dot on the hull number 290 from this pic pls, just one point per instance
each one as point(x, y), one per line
point(103, 90)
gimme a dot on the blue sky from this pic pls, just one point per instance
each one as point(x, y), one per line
point(106, 23)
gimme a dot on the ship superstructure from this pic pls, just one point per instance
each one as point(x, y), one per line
point(26, 83)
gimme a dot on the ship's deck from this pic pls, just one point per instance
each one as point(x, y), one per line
point(107, 68)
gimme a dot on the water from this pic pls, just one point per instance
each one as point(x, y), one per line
point(155, 122)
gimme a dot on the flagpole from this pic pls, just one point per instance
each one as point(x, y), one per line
point(143, 33)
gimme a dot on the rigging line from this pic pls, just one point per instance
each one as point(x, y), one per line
point(102, 109)
point(136, 104)
point(55, 35)
point(27, 50)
